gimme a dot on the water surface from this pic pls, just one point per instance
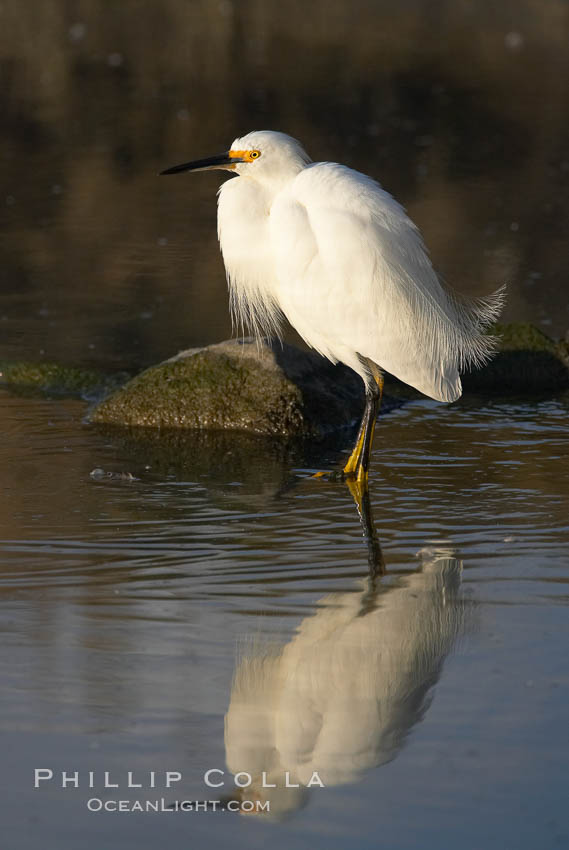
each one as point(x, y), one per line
point(128, 606)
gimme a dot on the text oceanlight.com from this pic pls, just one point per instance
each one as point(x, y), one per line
point(95, 804)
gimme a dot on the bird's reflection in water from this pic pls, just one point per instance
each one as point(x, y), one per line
point(342, 696)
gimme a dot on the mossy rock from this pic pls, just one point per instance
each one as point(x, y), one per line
point(54, 379)
point(265, 388)
point(527, 361)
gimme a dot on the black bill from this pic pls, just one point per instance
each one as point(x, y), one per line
point(222, 160)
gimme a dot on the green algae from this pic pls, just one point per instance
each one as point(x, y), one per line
point(55, 379)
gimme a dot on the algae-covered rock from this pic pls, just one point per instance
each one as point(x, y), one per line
point(55, 379)
point(275, 389)
point(527, 361)
point(264, 387)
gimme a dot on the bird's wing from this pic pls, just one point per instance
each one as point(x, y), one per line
point(354, 278)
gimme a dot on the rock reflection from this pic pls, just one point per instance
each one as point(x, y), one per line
point(343, 695)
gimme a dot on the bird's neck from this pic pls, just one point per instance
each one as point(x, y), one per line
point(272, 184)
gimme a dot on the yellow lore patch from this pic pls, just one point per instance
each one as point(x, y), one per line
point(246, 156)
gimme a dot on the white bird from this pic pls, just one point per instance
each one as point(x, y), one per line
point(331, 251)
point(341, 697)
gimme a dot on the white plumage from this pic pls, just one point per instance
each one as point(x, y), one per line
point(330, 250)
point(343, 695)
point(333, 252)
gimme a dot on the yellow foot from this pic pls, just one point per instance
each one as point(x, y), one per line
point(358, 488)
point(355, 466)
point(354, 470)
point(332, 475)
point(359, 477)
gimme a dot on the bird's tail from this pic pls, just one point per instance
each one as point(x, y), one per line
point(473, 316)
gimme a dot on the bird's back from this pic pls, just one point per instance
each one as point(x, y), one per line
point(341, 259)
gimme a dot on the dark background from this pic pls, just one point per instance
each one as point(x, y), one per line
point(458, 108)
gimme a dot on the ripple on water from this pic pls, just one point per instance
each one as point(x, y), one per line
point(491, 479)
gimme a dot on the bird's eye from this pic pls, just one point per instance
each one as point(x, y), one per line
point(255, 154)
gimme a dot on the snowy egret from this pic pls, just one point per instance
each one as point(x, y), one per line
point(340, 698)
point(331, 251)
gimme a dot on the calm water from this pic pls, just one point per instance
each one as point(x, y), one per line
point(433, 703)
point(213, 609)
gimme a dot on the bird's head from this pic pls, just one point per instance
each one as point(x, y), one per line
point(264, 155)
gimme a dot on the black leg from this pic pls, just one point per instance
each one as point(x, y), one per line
point(375, 557)
point(373, 399)
point(360, 493)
